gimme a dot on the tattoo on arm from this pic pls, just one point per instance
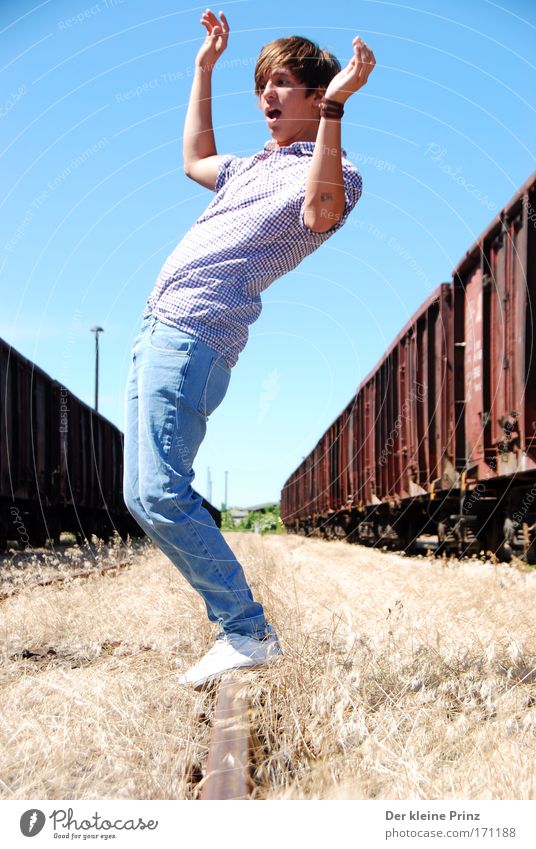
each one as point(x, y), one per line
point(326, 197)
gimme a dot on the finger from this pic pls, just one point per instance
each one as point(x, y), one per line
point(365, 55)
point(209, 15)
point(211, 19)
point(360, 48)
point(209, 27)
point(225, 22)
point(212, 24)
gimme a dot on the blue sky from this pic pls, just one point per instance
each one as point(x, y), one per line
point(94, 199)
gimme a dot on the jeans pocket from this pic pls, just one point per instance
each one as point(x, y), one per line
point(170, 340)
point(216, 386)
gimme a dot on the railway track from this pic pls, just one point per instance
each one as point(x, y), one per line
point(65, 576)
point(230, 757)
point(230, 761)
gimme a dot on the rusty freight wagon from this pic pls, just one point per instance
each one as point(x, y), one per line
point(61, 463)
point(390, 445)
point(440, 438)
point(494, 295)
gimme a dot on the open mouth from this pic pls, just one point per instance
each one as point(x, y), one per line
point(273, 113)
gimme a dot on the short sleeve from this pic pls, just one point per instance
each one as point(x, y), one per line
point(228, 167)
point(353, 187)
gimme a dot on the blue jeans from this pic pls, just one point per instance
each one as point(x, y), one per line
point(175, 383)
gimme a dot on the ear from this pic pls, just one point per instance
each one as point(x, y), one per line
point(317, 96)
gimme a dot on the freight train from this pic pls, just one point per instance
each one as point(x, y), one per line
point(61, 463)
point(440, 437)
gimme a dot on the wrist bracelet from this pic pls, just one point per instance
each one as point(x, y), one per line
point(331, 108)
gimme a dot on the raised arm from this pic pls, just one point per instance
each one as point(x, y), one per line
point(201, 160)
point(324, 193)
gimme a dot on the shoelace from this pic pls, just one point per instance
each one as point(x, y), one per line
point(226, 638)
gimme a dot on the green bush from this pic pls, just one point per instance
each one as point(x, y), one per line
point(227, 523)
point(269, 521)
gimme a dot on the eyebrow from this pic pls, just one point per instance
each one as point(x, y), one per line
point(278, 72)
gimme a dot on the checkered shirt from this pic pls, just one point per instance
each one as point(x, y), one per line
point(250, 234)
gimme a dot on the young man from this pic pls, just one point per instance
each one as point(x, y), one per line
point(270, 211)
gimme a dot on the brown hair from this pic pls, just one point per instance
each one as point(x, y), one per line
point(308, 62)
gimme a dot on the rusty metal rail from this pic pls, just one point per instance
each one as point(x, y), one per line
point(228, 773)
point(58, 579)
point(230, 756)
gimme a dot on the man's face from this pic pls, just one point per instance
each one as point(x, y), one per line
point(289, 114)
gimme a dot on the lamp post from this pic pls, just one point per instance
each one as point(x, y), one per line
point(209, 485)
point(96, 330)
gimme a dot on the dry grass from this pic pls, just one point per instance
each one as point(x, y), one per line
point(402, 678)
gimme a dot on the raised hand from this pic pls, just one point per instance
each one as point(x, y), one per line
point(355, 75)
point(215, 40)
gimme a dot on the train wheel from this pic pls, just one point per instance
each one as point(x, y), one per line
point(106, 533)
point(442, 534)
point(408, 538)
point(504, 553)
point(489, 539)
point(54, 528)
point(81, 538)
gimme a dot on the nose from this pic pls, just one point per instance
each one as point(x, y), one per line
point(268, 88)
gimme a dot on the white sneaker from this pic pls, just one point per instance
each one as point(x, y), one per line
point(233, 651)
